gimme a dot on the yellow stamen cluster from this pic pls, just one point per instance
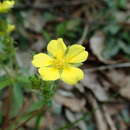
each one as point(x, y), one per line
point(59, 63)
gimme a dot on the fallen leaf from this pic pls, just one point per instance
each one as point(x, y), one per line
point(38, 45)
point(34, 21)
point(72, 103)
point(109, 119)
point(125, 91)
point(97, 46)
point(99, 117)
point(120, 79)
point(90, 81)
point(76, 116)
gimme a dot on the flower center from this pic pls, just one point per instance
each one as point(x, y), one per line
point(59, 63)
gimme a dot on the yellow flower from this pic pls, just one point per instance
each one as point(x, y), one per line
point(8, 29)
point(6, 5)
point(60, 63)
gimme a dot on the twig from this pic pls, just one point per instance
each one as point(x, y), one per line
point(83, 37)
point(105, 67)
point(101, 124)
point(109, 119)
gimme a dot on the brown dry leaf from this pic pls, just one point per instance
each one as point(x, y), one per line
point(39, 44)
point(72, 103)
point(117, 77)
point(122, 80)
point(76, 116)
point(90, 81)
point(34, 21)
point(65, 86)
point(125, 92)
point(26, 63)
point(99, 116)
point(97, 46)
point(122, 124)
point(26, 55)
point(108, 118)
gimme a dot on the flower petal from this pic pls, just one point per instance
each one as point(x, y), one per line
point(49, 73)
point(76, 54)
point(6, 5)
point(57, 48)
point(72, 75)
point(41, 60)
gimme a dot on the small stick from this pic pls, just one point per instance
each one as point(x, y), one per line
point(109, 119)
point(101, 124)
point(83, 37)
point(105, 67)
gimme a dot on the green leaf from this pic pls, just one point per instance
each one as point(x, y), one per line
point(61, 29)
point(68, 28)
point(112, 29)
point(112, 48)
point(124, 47)
point(23, 118)
point(125, 115)
point(46, 35)
point(111, 3)
point(36, 105)
point(17, 99)
point(73, 24)
point(1, 117)
point(49, 17)
point(121, 3)
point(4, 82)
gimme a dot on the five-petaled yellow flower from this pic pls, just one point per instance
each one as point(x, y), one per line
point(6, 5)
point(60, 63)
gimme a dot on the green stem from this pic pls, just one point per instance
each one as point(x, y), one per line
point(33, 114)
point(38, 119)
